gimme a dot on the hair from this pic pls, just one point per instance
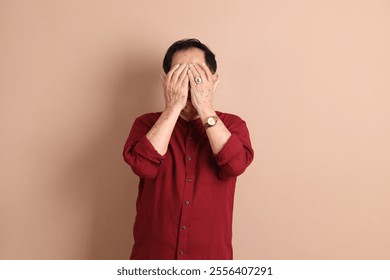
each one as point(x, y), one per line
point(186, 44)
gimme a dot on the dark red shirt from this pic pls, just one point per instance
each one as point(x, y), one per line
point(185, 199)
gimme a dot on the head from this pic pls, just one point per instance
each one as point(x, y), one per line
point(188, 44)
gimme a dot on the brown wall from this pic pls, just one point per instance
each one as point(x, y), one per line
point(312, 79)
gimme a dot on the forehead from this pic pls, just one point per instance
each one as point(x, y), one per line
point(193, 55)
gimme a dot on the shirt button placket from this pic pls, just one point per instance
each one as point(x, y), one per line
point(182, 252)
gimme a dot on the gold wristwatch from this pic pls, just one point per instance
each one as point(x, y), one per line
point(211, 121)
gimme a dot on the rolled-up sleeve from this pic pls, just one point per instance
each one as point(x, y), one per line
point(139, 153)
point(237, 153)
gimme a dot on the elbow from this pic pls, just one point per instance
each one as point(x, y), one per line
point(142, 168)
point(237, 170)
point(145, 173)
point(236, 166)
point(227, 171)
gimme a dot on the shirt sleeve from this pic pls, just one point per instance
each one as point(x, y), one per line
point(139, 153)
point(237, 153)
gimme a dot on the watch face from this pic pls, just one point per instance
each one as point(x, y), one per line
point(211, 121)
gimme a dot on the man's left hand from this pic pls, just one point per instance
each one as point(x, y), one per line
point(202, 94)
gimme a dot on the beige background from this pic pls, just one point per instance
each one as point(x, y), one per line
point(310, 77)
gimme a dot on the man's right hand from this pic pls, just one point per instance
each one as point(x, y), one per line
point(175, 85)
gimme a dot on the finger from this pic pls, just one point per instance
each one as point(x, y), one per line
point(191, 77)
point(194, 71)
point(216, 85)
point(183, 74)
point(184, 83)
point(177, 73)
point(169, 74)
point(207, 71)
point(202, 74)
point(163, 81)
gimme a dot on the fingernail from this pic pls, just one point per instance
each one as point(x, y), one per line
point(203, 64)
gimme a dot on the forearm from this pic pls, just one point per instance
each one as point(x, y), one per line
point(160, 134)
point(218, 135)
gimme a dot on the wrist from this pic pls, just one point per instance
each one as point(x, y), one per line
point(173, 109)
point(205, 113)
point(173, 106)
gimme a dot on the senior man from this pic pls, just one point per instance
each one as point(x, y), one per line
point(188, 158)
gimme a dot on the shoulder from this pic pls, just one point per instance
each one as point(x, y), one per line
point(229, 119)
point(235, 124)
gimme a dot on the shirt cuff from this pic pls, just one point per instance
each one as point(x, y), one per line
point(230, 150)
point(146, 150)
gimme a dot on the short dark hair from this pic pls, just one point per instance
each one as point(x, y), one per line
point(186, 44)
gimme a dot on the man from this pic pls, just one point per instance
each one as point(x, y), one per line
point(188, 158)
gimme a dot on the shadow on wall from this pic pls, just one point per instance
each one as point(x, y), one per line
point(108, 182)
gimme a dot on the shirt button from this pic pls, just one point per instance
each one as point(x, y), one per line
point(181, 252)
point(187, 202)
point(189, 157)
point(189, 180)
point(184, 227)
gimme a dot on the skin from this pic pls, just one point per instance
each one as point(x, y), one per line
point(188, 100)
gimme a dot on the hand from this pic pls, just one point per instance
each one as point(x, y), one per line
point(175, 85)
point(202, 95)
